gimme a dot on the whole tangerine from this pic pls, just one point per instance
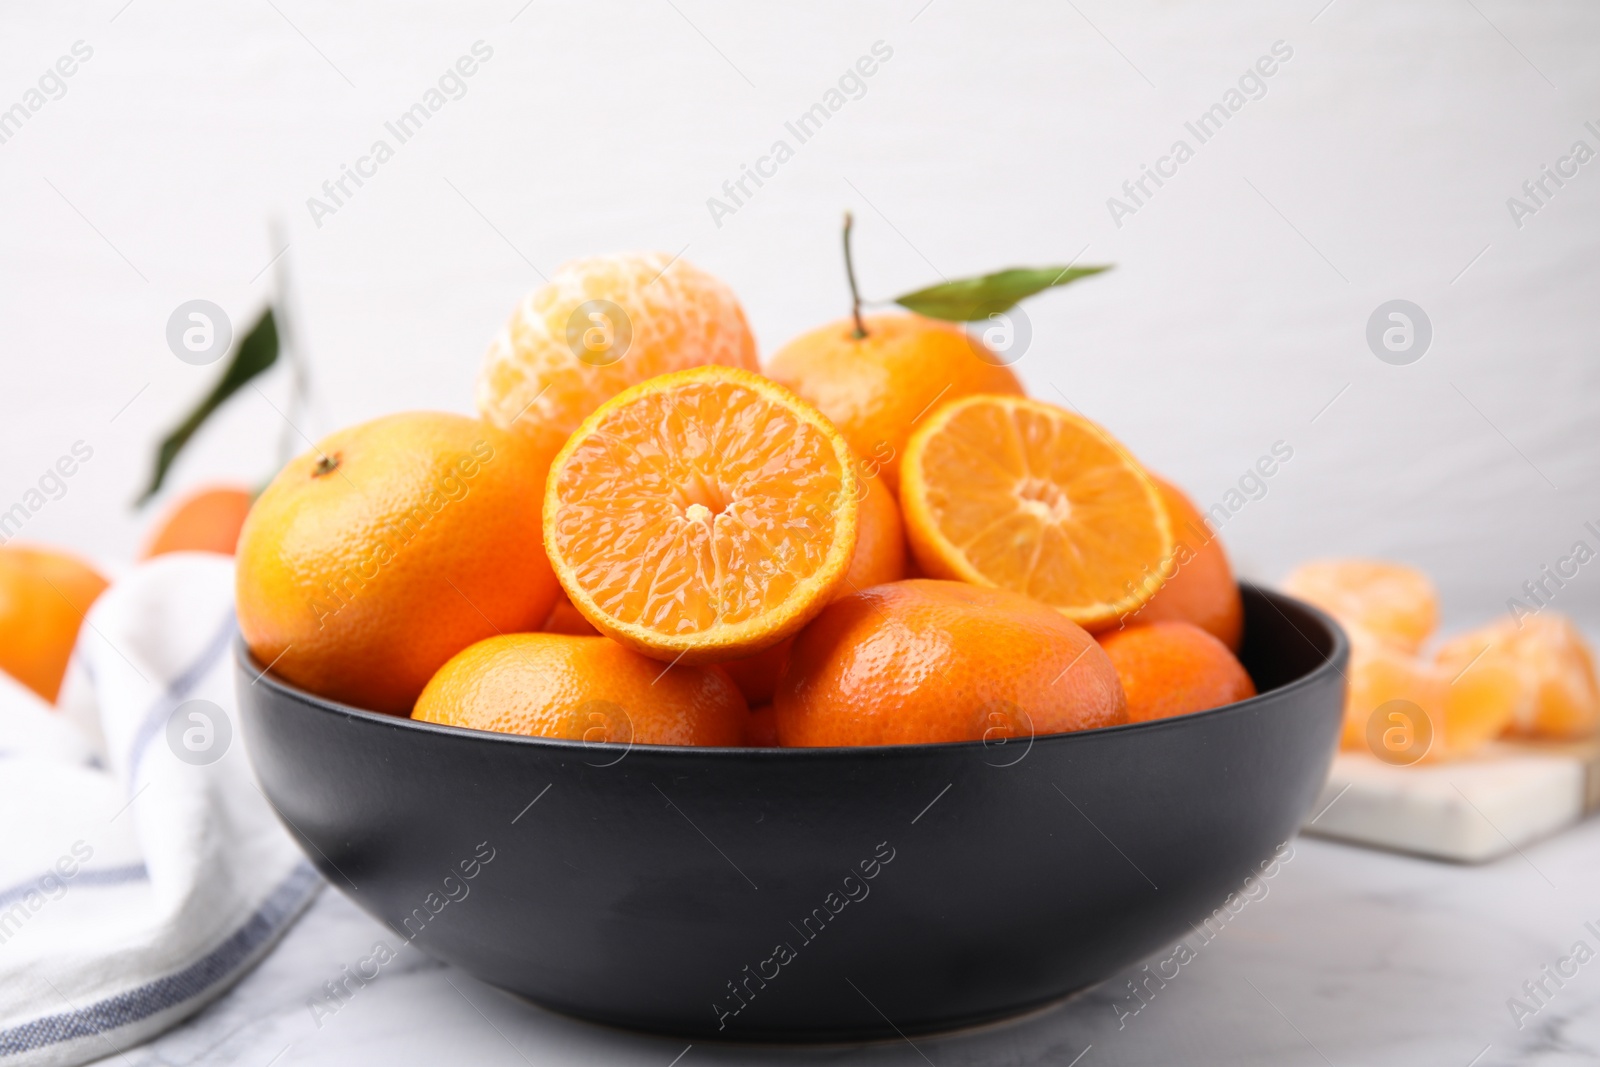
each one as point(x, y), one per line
point(582, 689)
point(1202, 589)
point(388, 548)
point(924, 660)
point(44, 595)
point(206, 520)
point(876, 387)
point(1174, 668)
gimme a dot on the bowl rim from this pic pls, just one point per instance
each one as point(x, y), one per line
point(246, 662)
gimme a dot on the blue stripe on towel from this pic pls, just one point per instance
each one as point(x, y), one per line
point(133, 872)
point(155, 720)
point(219, 966)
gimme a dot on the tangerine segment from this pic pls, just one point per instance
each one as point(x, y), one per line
point(1390, 601)
point(1445, 713)
point(702, 515)
point(1016, 493)
point(1561, 697)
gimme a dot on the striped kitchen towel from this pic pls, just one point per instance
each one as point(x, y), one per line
point(141, 871)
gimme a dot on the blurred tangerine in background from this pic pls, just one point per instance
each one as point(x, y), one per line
point(1529, 675)
point(44, 595)
point(204, 520)
point(1559, 694)
point(1396, 604)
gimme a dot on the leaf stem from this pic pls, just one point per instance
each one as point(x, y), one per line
point(850, 272)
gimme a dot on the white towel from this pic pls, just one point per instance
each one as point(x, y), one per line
point(141, 870)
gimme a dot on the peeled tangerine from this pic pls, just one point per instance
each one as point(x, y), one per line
point(1559, 695)
point(1455, 711)
point(1391, 602)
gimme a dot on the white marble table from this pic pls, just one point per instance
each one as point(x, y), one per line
point(1351, 957)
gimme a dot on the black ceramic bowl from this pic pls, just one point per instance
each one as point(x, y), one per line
point(810, 894)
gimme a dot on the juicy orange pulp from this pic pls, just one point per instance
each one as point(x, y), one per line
point(880, 556)
point(702, 515)
point(1015, 493)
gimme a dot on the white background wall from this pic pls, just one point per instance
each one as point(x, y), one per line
point(1377, 166)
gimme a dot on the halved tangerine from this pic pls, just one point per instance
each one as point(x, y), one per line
point(1016, 493)
point(702, 515)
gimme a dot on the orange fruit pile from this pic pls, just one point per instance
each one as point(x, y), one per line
point(879, 538)
point(1531, 677)
point(643, 540)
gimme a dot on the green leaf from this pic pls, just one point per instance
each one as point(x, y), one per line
point(257, 352)
point(975, 299)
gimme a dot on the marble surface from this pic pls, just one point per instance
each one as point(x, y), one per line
point(1351, 957)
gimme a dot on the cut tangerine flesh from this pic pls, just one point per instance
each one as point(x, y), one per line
point(1016, 493)
point(702, 515)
